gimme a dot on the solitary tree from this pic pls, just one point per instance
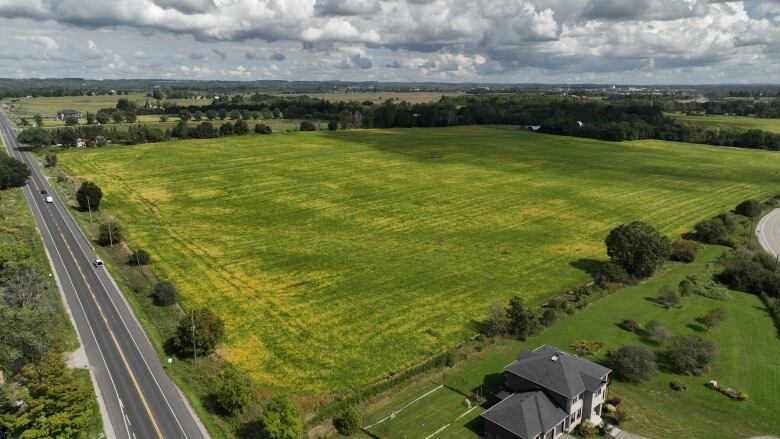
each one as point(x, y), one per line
point(138, 257)
point(102, 117)
point(90, 118)
point(184, 115)
point(281, 420)
point(13, 173)
point(199, 332)
point(110, 232)
point(38, 120)
point(522, 320)
point(71, 120)
point(88, 196)
point(633, 363)
point(668, 297)
point(638, 248)
point(496, 320)
point(117, 116)
point(690, 354)
point(211, 114)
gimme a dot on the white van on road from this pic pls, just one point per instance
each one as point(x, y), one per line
point(49, 199)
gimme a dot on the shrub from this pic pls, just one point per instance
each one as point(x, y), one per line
point(678, 386)
point(638, 248)
point(587, 428)
point(110, 233)
point(610, 274)
point(633, 363)
point(668, 298)
point(686, 287)
point(308, 126)
point(347, 422)
point(684, 250)
point(744, 272)
point(629, 325)
point(164, 294)
point(710, 231)
point(615, 415)
point(584, 348)
point(88, 196)
point(549, 316)
point(233, 391)
point(713, 317)
point(262, 128)
point(658, 331)
point(209, 330)
point(333, 125)
point(281, 419)
point(748, 208)
point(138, 257)
point(690, 354)
point(728, 220)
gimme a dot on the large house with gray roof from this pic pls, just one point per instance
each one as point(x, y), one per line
point(548, 393)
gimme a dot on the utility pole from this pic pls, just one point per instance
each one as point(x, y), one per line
point(194, 348)
point(110, 236)
point(140, 272)
point(89, 208)
point(750, 232)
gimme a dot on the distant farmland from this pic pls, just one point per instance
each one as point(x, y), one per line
point(743, 122)
point(339, 257)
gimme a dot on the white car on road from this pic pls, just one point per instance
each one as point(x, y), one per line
point(49, 199)
point(98, 262)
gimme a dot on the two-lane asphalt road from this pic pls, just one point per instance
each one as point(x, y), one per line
point(140, 401)
point(768, 232)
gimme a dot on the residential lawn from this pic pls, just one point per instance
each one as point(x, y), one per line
point(749, 360)
point(743, 122)
point(337, 258)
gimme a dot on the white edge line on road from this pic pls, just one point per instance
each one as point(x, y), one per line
point(58, 207)
point(32, 205)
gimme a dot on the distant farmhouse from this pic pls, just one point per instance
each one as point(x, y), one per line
point(63, 114)
point(548, 393)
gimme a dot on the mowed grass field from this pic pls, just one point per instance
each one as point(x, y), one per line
point(339, 257)
point(743, 122)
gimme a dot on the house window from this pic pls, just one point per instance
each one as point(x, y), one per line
point(579, 413)
point(598, 392)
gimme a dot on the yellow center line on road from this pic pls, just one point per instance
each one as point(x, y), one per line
point(116, 342)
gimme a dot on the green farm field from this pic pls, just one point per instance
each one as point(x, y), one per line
point(49, 106)
point(743, 122)
point(339, 257)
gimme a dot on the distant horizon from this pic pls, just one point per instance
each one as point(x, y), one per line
point(422, 82)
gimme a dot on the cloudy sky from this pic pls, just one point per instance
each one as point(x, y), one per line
point(604, 41)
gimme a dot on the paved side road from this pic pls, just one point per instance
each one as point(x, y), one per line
point(141, 402)
point(768, 232)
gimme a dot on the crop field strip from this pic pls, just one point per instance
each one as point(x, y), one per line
point(743, 122)
point(337, 258)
